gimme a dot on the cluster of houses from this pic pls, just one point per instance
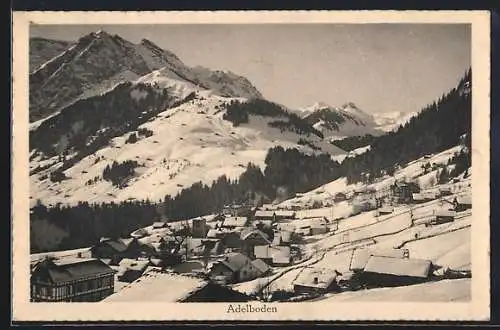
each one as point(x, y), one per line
point(238, 245)
point(231, 247)
point(368, 268)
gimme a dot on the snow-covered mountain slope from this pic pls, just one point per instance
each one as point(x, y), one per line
point(190, 142)
point(99, 60)
point(350, 120)
point(392, 120)
point(412, 171)
point(42, 50)
point(335, 122)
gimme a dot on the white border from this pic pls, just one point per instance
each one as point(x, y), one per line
point(477, 309)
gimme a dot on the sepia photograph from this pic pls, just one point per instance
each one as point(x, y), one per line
point(257, 167)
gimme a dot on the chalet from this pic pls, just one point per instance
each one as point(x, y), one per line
point(316, 280)
point(232, 240)
point(282, 238)
point(273, 255)
point(319, 225)
point(264, 253)
point(237, 210)
point(402, 191)
point(233, 222)
point(71, 280)
point(130, 269)
point(116, 249)
point(265, 215)
point(360, 256)
point(261, 266)
point(251, 238)
point(274, 215)
point(387, 271)
point(157, 286)
point(234, 268)
point(282, 256)
point(442, 216)
point(462, 203)
point(205, 246)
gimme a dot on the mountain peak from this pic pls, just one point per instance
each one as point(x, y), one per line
point(317, 106)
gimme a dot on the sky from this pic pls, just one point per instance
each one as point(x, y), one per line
point(379, 67)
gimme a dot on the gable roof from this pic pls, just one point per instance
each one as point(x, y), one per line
point(400, 267)
point(235, 222)
point(157, 286)
point(262, 252)
point(235, 261)
point(324, 277)
point(279, 254)
point(361, 256)
point(261, 266)
point(70, 269)
point(245, 234)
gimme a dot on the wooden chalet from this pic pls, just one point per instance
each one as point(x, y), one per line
point(71, 280)
point(116, 249)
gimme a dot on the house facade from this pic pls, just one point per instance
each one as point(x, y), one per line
point(235, 268)
point(73, 280)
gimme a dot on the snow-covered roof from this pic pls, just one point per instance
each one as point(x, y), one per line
point(132, 264)
point(465, 200)
point(316, 278)
point(235, 222)
point(361, 256)
point(235, 261)
point(398, 266)
point(248, 233)
point(444, 213)
point(155, 286)
point(261, 266)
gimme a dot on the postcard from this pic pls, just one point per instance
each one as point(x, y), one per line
point(252, 165)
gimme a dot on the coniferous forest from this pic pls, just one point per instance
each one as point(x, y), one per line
point(439, 126)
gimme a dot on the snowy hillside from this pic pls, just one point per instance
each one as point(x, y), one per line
point(189, 143)
point(99, 60)
point(412, 171)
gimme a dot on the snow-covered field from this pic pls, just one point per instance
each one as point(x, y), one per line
point(190, 143)
point(446, 290)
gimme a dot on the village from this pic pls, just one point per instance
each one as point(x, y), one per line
point(319, 245)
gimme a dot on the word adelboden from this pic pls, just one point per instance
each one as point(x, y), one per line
point(248, 308)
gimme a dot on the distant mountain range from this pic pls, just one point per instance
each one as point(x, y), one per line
point(350, 120)
point(103, 100)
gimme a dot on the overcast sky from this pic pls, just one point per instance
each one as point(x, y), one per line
point(380, 67)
